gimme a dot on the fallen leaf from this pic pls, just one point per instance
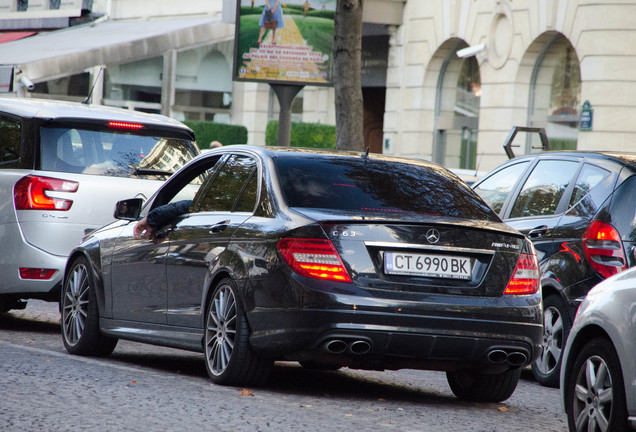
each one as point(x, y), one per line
point(348, 415)
point(245, 392)
point(503, 409)
point(133, 382)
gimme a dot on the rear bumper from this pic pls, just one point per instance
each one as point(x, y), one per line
point(441, 332)
point(21, 254)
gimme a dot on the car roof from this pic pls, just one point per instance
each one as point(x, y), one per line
point(274, 152)
point(626, 158)
point(55, 109)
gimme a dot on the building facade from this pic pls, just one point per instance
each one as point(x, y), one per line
point(444, 80)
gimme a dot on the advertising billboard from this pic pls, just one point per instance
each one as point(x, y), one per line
point(284, 42)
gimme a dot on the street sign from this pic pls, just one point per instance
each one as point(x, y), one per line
point(587, 113)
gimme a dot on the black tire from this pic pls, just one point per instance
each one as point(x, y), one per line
point(80, 315)
point(470, 385)
point(556, 328)
point(229, 358)
point(595, 390)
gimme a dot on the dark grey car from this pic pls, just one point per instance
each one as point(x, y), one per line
point(328, 258)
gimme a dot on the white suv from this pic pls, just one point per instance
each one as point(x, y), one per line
point(63, 167)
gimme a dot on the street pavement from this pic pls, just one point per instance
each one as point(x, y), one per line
point(142, 387)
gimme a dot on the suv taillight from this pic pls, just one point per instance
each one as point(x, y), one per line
point(314, 258)
point(30, 193)
point(603, 248)
point(525, 277)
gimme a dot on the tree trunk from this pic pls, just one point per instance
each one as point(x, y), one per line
point(347, 47)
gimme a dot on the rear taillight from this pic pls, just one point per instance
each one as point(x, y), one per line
point(525, 278)
point(314, 258)
point(603, 248)
point(31, 193)
point(36, 273)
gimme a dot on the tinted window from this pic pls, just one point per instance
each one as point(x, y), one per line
point(496, 188)
point(373, 185)
point(544, 188)
point(228, 185)
point(247, 200)
point(9, 140)
point(623, 210)
point(590, 177)
point(112, 154)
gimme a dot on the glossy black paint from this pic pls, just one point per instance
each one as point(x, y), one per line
point(557, 237)
point(156, 292)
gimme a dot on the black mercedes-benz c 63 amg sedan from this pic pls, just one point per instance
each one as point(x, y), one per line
point(328, 258)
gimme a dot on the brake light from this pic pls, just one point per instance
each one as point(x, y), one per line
point(125, 125)
point(525, 278)
point(603, 248)
point(31, 193)
point(314, 258)
point(36, 273)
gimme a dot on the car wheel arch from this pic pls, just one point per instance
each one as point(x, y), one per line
point(550, 286)
point(210, 287)
point(96, 273)
point(576, 346)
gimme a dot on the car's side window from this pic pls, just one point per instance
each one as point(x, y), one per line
point(623, 209)
point(590, 176)
point(544, 188)
point(247, 200)
point(228, 185)
point(9, 140)
point(495, 189)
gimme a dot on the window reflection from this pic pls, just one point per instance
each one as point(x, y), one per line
point(556, 96)
point(458, 114)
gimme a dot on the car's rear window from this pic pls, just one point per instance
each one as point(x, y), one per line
point(375, 185)
point(112, 154)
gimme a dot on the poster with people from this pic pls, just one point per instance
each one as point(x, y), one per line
point(284, 41)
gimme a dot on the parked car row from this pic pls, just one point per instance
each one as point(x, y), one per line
point(332, 259)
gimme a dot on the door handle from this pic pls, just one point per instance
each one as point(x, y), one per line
point(538, 232)
point(219, 227)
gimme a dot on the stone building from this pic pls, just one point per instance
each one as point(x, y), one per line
point(444, 80)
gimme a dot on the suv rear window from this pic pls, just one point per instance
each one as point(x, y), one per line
point(9, 141)
point(373, 185)
point(112, 154)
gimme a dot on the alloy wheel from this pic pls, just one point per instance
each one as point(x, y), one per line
point(75, 304)
point(552, 343)
point(593, 396)
point(220, 332)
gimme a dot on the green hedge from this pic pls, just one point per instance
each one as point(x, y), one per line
point(313, 135)
point(206, 132)
point(562, 144)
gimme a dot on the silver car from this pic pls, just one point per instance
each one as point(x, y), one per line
point(63, 166)
point(598, 375)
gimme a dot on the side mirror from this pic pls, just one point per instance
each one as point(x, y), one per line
point(128, 209)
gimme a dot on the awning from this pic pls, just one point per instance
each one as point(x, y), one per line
point(11, 36)
point(75, 49)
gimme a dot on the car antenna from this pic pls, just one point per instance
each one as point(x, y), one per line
point(90, 93)
point(366, 153)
